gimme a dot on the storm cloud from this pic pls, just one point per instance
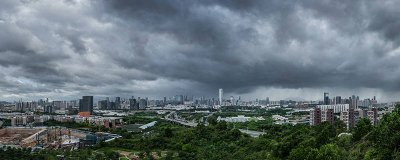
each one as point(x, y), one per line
point(165, 47)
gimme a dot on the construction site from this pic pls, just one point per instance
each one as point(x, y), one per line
point(46, 137)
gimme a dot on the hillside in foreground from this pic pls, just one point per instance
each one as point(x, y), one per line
point(221, 141)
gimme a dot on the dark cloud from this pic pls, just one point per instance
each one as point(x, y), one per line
point(162, 47)
point(218, 58)
point(77, 43)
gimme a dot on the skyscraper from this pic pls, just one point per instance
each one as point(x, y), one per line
point(117, 102)
point(108, 103)
point(221, 95)
point(354, 102)
point(142, 104)
point(132, 103)
point(326, 98)
point(338, 100)
point(86, 104)
point(103, 104)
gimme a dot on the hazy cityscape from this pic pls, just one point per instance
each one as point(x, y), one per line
point(27, 123)
point(199, 79)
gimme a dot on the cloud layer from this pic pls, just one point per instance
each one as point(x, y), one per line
point(65, 49)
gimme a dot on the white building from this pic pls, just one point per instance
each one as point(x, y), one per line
point(279, 118)
point(240, 118)
point(148, 125)
point(337, 108)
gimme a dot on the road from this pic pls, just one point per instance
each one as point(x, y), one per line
point(191, 124)
point(180, 121)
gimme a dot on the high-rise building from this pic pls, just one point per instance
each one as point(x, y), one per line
point(327, 116)
point(132, 104)
point(117, 102)
point(48, 109)
point(221, 95)
point(317, 116)
point(374, 102)
point(338, 100)
point(142, 104)
point(86, 104)
point(232, 99)
point(348, 118)
point(179, 99)
point(102, 104)
point(354, 102)
point(373, 116)
point(326, 98)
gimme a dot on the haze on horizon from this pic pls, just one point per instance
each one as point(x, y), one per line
point(280, 49)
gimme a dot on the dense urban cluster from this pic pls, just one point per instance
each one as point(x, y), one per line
point(184, 127)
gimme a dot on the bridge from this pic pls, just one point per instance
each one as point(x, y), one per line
point(179, 121)
point(192, 124)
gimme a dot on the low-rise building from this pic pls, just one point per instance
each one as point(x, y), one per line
point(279, 118)
point(239, 118)
point(22, 120)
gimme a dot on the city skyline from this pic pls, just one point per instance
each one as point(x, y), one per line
point(248, 48)
point(325, 99)
point(246, 97)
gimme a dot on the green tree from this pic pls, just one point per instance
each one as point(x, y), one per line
point(331, 152)
point(386, 135)
point(212, 120)
point(303, 153)
point(222, 125)
point(168, 132)
point(340, 126)
point(324, 133)
point(111, 154)
point(362, 128)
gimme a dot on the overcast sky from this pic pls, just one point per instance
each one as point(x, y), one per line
point(282, 49)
